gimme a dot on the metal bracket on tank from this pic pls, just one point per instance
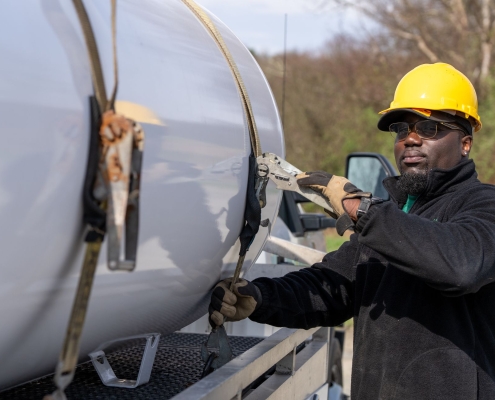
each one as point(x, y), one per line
point(105, 371)
point(118, 183)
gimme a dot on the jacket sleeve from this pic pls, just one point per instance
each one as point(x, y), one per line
point(320, 295)
point(455, 257)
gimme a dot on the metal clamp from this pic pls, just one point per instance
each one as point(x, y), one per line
point(105, 371)
point(217, 339)
point(284, 175)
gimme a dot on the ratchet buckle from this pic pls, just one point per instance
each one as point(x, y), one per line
point(283, 174)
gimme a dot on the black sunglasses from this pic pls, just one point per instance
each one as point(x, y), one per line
point(425, 129)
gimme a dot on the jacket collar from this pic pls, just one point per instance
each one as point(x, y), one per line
point(440, 181)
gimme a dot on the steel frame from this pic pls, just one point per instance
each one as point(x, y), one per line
point(297, 376)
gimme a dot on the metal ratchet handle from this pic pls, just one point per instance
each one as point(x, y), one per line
point(283, 174)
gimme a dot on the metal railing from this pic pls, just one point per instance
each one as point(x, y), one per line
point(296, 376)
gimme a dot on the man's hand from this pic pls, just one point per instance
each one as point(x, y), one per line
point(342, 195)
point(234, 306)
point(351, 206)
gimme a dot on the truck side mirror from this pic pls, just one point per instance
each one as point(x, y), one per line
point(368, 170)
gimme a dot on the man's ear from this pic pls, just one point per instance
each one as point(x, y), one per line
point(466, 143)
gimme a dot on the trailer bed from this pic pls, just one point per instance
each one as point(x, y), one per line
point(177, 366)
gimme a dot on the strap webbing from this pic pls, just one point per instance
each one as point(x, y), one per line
point(252, 213)
point(94, 57)
point(210, 27)
point(111, 100)
point(70, 351)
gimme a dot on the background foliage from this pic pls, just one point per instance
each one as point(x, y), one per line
point(332, 98)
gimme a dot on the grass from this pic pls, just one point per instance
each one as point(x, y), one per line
point(333, 240)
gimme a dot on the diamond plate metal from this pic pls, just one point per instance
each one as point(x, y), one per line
point(178, 365)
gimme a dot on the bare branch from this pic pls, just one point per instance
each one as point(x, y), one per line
point(459, 59)
point(426, 50)
point(486, 45)
point(456, 14)
point(458, 31)
point(460, 12)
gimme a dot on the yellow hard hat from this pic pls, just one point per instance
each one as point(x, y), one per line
point(438, 87)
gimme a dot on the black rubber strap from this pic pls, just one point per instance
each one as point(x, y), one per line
point(93, 215)
point(364, 205)
point(252, 212)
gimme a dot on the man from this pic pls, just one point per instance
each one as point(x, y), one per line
point(417, 275)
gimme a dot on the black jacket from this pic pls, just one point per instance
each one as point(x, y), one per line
point(420, 287)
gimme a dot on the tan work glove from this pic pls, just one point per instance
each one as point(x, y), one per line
point(335, 189)
point(234, 306)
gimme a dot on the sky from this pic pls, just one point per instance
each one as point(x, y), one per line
point(259, 24)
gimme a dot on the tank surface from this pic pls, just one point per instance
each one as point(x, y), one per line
point(176, 83)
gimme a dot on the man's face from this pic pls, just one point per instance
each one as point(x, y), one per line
point(417, 156)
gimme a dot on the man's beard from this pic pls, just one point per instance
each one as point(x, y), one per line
point(413, 183)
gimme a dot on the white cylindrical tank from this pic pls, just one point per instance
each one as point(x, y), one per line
point(176, 83)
